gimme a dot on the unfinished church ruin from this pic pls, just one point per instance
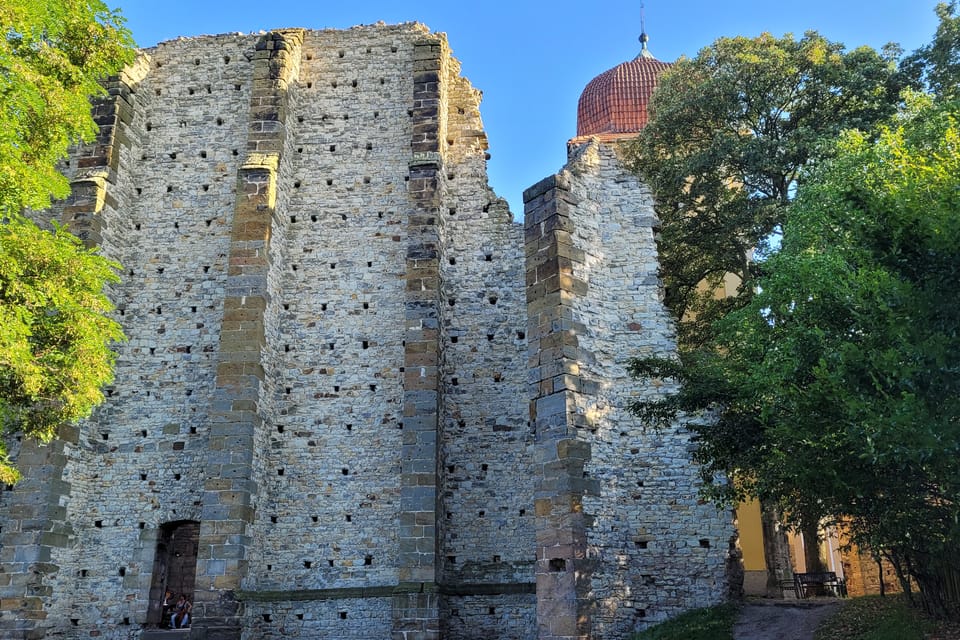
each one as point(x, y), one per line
point(358, 400)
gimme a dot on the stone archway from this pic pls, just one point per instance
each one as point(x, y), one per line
point(174, 564)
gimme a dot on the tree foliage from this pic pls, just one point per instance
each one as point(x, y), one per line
point(938, 64)
point(730, 134)
point(829, 386)
point(53, 54)
point(54, 331)
point(836, 388)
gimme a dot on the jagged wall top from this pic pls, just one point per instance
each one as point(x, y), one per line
point(411, 27)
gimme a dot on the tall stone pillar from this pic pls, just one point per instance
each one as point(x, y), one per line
point(230, 488)
point(416, 603)
point(562, 567)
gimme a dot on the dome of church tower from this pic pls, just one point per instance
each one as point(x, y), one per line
point(615, 102)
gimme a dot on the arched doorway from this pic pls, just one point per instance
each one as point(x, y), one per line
point(174, 565)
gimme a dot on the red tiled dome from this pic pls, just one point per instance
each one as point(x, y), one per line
point(616, 100)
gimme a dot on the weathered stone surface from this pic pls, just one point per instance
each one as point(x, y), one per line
point(389, 410)
point(617, 504)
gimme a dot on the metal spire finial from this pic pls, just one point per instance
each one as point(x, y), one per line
point(643, 27)
point(644, 38)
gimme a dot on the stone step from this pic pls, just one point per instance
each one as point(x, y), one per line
point(165, 634)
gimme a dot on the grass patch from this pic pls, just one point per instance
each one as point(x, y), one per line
point(713, 623)
point(868, 618)
point(876, 618)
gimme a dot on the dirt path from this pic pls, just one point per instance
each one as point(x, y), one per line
point(782, 620)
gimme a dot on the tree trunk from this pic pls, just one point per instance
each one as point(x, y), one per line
point(811, 547)
point(883, 590)
point(776, 550)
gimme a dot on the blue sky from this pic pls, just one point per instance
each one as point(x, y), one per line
point(532, 58)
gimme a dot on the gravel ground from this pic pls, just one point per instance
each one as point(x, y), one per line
point(782, 620)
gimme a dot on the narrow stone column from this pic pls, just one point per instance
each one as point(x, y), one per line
point(562, 567)
point(234, 418)
point(416, 604)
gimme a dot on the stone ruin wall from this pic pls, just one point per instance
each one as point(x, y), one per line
point(147, 197)
point(620, 522)
point(328, 454)
point(328, 445)
point(659, 548)
point(485, 518)
point(330, 362)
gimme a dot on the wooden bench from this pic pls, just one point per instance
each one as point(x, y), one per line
point(827, 579)
point(788, 585)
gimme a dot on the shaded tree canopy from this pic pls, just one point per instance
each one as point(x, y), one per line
point(836, 389)
point(730, 134)
point(937, 64)
point(54, 331)
point(829, 386)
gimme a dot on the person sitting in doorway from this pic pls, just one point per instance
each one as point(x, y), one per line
point(180, 619)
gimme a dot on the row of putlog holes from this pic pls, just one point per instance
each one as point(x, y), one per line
point(268, 617)
point(341, 53)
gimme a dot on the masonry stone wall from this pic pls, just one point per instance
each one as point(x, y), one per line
point(862, 574)
point(383, 408)
point(485, 522)
point(335, 328)
point(623, 540)
point(660, 548)
point(139, 463)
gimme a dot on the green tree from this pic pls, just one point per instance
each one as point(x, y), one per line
point(938, 64)
point(54, 331)
point(836, 388)
point(54, 334)
point(730, 134)
point(53, 55)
